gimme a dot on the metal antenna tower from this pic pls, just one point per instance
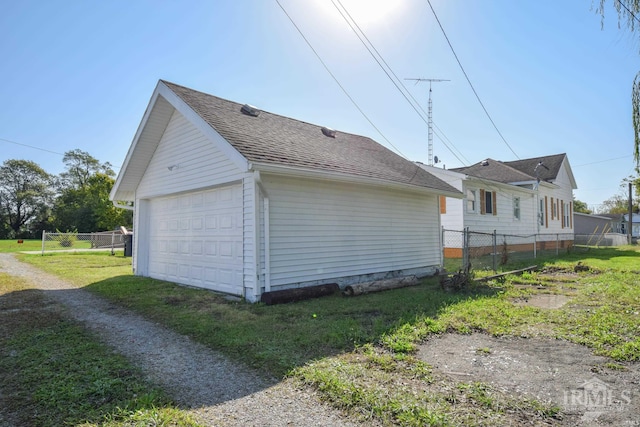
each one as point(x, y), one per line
point(430, 115)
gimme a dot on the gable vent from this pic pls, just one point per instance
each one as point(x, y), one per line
point(250, 110)
point(329, 132)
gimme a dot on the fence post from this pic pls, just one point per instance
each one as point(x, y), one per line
point(442, 245)
point(44, 236)
point(557, 244)
point(495, 251)
point(535, 246)
point(112, 237)
point(465, 250)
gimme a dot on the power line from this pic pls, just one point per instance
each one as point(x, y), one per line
point(369, 50)
point(388, 70)
point(606, 160)
point(489, 184)
point(442, 136)
point(31, 146)
point(43, 149)
point(628, 10)
point(469, 80)
point(415, 102)
point(336, 79)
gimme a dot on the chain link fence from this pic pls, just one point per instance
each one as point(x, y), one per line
point(601, 239)
point(490, 251)
point(83, 241)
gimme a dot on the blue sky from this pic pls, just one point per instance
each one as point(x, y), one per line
point(79, 74)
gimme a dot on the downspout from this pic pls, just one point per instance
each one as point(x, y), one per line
point(267, 236)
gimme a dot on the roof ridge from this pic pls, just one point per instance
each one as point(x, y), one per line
point(166, 82)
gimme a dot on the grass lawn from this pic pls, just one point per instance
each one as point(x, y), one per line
point(36, 245)
point(54, 373)
point(358, 352)
point(26, 245)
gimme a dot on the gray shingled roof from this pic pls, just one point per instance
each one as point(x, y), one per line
point(277, 140)
point(516, 171)
point(494, 170)
point(552, 162)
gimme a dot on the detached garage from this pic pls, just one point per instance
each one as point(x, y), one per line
point(234, 199)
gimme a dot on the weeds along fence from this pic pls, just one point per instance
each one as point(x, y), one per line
point(82, 241)
point(489, 251)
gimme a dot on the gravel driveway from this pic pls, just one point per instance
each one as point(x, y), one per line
point(218, 391)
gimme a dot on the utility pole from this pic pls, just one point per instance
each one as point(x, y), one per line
point(630, 222)
point(430, 116)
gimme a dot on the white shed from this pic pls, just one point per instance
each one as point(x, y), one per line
point(242, 201)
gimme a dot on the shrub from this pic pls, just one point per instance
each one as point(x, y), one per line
point(66, 240)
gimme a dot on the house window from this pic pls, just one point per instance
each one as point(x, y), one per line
point(516, 208)
point(541, 212)
point(488, 202)
point(566, 215)
point(471, 200)
point(553, 209)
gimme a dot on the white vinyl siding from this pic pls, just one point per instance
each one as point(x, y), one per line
point(195, 160)
point(558, 205)
point(454, 217)
point(535, 205)
point(250, 208)
point(504, 221)
point(324, 230)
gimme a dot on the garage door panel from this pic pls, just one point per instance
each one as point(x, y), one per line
point(196, 239)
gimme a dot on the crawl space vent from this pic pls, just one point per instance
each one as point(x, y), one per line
point(250, 110)
point(329, 132)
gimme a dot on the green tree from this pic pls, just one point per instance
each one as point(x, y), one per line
point(80, 167)
point(618, 204)
point(579, 206)
point(629, 16)
point(83, 202)
point(88, 208)
point(5, 230)
point(25, 194)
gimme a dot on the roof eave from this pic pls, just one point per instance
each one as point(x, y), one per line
point(518, 183)
point(344, 177)
point(574, 184)
point(123, 194)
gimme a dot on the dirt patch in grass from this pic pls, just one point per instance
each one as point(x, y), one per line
point(554, 272)
point(549, 301)
point(589, 389)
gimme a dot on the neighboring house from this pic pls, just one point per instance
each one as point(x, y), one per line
point(617, 222)
point(635, 226)
point(523, 198)
point(238, 200)
point(594, 224)
point(600, 230)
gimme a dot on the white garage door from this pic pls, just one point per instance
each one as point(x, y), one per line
point(196, 239)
